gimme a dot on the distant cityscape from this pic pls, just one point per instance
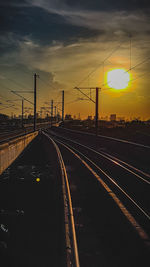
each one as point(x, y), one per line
point(112, 121)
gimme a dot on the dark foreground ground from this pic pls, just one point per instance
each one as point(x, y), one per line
point(32, 212)
point(30, 209)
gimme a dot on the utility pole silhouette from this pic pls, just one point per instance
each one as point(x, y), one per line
point(96, 110)
point(22, 111)
point(35, 81)
point(51, 108)
point(55, 114)
point(63, 105)
point(51, 112)
point(95, 102)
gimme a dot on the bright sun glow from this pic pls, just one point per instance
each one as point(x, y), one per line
point(118, 79)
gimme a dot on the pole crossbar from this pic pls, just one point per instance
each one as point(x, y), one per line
point(95, 102)
point(14, 92)
point(79, 89)
point(25, 92)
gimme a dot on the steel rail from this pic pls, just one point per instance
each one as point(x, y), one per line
point(111, 138)
point(124, 210)
point(111, 179)
point(111, 158)
point(67, 202)
point(127, 164)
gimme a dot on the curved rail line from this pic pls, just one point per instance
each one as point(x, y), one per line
point(114, 160)
point(111, 138)
point(126, 194)
point(71, 241)
point(124, 210)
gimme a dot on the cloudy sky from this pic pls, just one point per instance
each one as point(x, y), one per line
point(75, 43)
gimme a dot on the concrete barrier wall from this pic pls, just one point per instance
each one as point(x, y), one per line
point(11, 150)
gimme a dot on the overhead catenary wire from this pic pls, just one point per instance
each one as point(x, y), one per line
point(14, 92)
point(22, 97)
point(85, 95)
point(140, 76)
point(49, 84)
point(135, 66)
point(104, 89)
point(87, 76)
point(73, 101)
point(18, 84)
point(8, 100)
point(102, 63)
point(7, 107)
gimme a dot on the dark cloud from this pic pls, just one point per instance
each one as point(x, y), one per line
point(25, 18)
point(13, 3)
point(109, 4)
point(33, 24)
point(41, 26)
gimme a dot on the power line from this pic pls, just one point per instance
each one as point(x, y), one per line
point(7, 107)
point(6, 87)
point(100, 64)
point(20, 69)
point(22, 97)
point(76, 100)
point(7, 100)
point(48, 84)
point(3, 97)
point(12, 91)
point(139, 64)
point(140, 76)
point(18, 84)
point(81, 99)
point(135, 66)
point(85, 94)
point(11, 101)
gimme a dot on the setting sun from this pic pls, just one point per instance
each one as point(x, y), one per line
point(118, 79)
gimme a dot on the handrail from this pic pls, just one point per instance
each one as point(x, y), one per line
point(14, 137)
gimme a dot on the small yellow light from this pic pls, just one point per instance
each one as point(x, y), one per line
point(38, 179)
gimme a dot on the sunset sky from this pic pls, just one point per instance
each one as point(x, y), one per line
point(64, 41)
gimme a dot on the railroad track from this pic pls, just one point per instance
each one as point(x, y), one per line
point(125, 185)
point(110, 138)
point(125, 165)
point(83, 211)
point(136, 155)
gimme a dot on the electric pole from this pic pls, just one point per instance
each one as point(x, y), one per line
point(96, 111)
point(22, 111)
point(35, 77)
point(95, 102)
point(51, 108)
point(63, 105)
point(55, 114)
point(51, 118)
